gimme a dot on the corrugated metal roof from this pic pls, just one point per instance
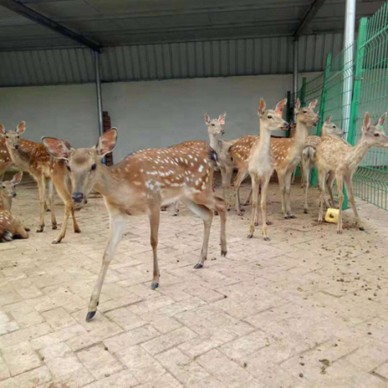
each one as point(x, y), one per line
point(218, 58)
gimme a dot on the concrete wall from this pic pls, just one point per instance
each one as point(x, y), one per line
point(148, 114)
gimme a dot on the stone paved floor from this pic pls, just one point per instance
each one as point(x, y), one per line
point(307, 309)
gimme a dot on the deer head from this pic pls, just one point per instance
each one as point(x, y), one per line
point(374, 135)
point(331, 129)
point(8, 187)
point(12, 137)
point(215, 126)
point(306, 115)
point(83, 164)
point(272, 118)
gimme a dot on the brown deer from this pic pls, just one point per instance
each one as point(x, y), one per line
point(335, 156)
point(261, 163)
point(5, 159)
point(142, 183)
point(10, 227)
point(286, 151)
point(33, 158)
point(309, 157)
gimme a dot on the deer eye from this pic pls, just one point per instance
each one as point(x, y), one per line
point(213, 124)
point(376, 135)
point(269, 116)
point(94, 166)
point(333, 126)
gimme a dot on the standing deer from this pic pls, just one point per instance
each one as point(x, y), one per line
point(33, 158)
point(5, 159)
point(335, 156)
point(286, 151)
point(261, 163)
point(309, 154)
point(142, 183)
point(10, 227)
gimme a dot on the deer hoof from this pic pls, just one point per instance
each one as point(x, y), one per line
point(77, 230)
point(305, 211)
point(27, 229)
point(339, 231)
point(90, 315)
point(267, 239)
point(268, 223)
point(361, 228)
point(291, 216)
point(40, 229)
point(54, 227)
point(256, 224)
point(250, 235)
point(223, 253)
point(154, 285)
point(198, 266)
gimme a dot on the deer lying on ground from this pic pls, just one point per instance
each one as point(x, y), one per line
point(309, 155)
point(335, 156)
point(10, 227)
point(286, 151)
point(142, 183)
point(33, 158)
point(261, 163)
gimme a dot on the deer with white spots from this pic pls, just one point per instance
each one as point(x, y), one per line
point(309, 155)
point(338, 157)
point(142, 183)
point(5, 159)
point(261, 163)
point(33, 158)
point(286, 152)
point(10, 227)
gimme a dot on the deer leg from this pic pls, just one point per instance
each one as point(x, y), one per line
point(154, 226)
point(51, 204)
point(221, 209)
point(42, 201)
point(349, 189)
point(287, 194)
point(281, 179)
point(330, 182)
point(340, 186)
point(227, 186)
point(263, 204)
point(66, 216)
point(321, 186)
point(117, 224)
point(306, 174)
point(239, 178)
point(176, 208)
point(255, 202)
point(246, 203)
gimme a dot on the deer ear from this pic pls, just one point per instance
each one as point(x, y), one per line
point(17, 178)
point(382, 119)
point(313, 104)
point(221, 119)
point(57, 148)
point(328, 119)
point(2, 129)
point(366, 123)
point(280, 106)
point(21, 127)
point(207, 119)
point(297, 105)
point(107, 142)
point(262, 106)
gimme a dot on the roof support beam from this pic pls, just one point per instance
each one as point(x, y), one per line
point(310, 13)
point(29, 13)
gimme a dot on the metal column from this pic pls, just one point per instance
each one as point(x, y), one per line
point(295, 75)
point(98, 92)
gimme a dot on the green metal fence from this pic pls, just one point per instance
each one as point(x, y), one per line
point(354, 82)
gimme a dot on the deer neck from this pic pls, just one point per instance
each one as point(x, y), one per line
point(261, 153)
point(5, 202)
point(301, 133)
point(354, 158)
point(215, 142)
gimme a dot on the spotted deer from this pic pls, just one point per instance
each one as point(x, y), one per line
point(10, 227)
point(142, 183)
point(5, 159)
point(335, 156)
point(261, 163)
point(309, 157)
point(286, 151)
point(33, 158)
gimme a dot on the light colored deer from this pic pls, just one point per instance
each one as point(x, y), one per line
point(309, 157)
point(142, 183)
point(286, 151)
point(33, 158)
point(10, 227)
point(261, 163)
point(335, 156)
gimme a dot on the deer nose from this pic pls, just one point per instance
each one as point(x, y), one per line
point(77, 197)
point(16, 146)
point(13, 195)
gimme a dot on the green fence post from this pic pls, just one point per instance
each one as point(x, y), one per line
point(322, 106)
point(358, 73)
point(302, 92)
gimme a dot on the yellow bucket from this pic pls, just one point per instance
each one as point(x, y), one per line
point(332, 215)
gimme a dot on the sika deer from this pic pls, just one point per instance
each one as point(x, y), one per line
point(5, 159)
point(286, 151)
point(309, 151)
point(261, 163)
point(334, 155)
point(33, 158)
point(142, 183)
point(9, 226)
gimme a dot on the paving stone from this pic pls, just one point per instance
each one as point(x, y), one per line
point(34, 378)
